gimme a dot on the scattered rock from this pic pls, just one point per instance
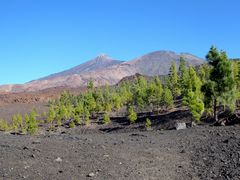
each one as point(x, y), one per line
point(106, 156)
point(58, 159)
point(183, 151)
point(36, 142)
point(226, 141)
point(25, 148)
point(91, 174)
point(179, 126)
point(191, 124)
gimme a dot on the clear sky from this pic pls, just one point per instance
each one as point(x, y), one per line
point(41, 37)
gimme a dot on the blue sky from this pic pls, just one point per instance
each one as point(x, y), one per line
point(40, 37)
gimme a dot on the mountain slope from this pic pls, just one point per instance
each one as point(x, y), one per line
point(104, 70)
point(100, 62)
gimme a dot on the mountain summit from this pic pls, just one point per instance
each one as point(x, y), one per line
point(100, 62)
point(105, 70)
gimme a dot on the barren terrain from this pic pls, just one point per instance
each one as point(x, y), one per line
point(197, 153)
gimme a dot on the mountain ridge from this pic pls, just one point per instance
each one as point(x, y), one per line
point(104, 70)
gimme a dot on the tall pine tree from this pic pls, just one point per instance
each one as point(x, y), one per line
point(221, 80)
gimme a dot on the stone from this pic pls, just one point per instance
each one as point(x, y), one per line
point(180, 126)
point(58, 159)
point(91, 174)
point(36, 142)
point(183, 151)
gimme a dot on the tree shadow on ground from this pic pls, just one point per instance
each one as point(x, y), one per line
point(165, 121)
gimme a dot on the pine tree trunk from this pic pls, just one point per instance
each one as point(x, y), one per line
point(215, 110)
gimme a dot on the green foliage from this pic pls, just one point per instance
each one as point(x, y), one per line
point(195, 105)
point(106, 118)
point(183, 76)
point(77, 120)
point(167, 98)
point(4, 126)
point(140, 92)
point(72, 124)
point(236, 73)
point(154, 93)
point(132, 115)
point(221, 80)
point(51, 115)
point(173, 80)
point(31, 122)
point(90, 85)
point(87, 117)
point(18, 124)
point(148, 124)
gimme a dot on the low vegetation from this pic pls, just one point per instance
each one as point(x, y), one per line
point(201, 89)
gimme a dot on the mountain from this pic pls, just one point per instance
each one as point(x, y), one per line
point(100, 62)
point(105, 70)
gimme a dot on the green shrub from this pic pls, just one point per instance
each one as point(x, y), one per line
point(71, 124)
point(132, 115)
point(51, 115)
point(32, 123)
point(148, 124)
point(4, 125)
point(106, 118)
point(77, 119)
point(15, 126)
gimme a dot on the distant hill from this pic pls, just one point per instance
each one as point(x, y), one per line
point(104, 70)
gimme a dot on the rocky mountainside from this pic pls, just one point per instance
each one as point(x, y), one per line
point(105, 70)
point(100, 62)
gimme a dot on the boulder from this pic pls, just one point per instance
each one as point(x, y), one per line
point(179, 126)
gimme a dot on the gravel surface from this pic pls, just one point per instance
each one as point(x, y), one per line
point(198, 153)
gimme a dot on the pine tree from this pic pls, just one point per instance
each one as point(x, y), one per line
point(193, 96)
point(51, 115)
point(4, 126)
point(132, 115)
point(183, 75)
point(15, 126)
point(32, 124)
point(195, 105)
point(125, 93)
point(194, 81)
point(106, 118)
point(72, 124)
point(116, 101)
point(140, 92)
point(154, 93)
point(204, 73)
point(221, 79)
point(148, 124)
point(20, 122)
point(173, 80)
point(98, 96)
point(167, 98)
point(87, 117)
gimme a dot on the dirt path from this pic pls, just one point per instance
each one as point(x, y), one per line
point(199, 153)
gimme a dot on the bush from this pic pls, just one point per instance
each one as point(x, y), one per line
point(31, 122)
point(71, 124)
point(4, 125)
point(77, 119)
point(106, 118)
point(148, 124)
point(132, 115)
